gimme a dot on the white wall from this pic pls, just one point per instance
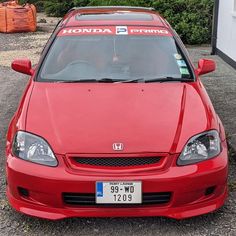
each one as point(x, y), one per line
point(226, 38)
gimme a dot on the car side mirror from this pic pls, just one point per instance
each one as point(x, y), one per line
point(205, 66)
point(23, 66)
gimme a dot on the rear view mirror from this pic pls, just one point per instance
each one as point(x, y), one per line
point(23, 66)
point(205, 66)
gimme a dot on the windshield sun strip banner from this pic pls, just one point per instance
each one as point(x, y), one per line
point(114, 30)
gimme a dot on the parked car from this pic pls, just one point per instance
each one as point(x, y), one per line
point(115, 122)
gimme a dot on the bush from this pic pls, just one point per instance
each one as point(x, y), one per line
point(57, 7)
point(39, 4)
point(114, 2)
point(192, 19)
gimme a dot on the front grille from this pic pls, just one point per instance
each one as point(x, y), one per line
point(88, 199)
point(117, 161)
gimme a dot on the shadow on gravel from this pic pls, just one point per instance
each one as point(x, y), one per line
point(47, 29)
point(120, 226)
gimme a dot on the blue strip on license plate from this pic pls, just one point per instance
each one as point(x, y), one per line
point(99, 189)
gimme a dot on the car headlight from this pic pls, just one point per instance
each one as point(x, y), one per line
point(200, 148)
point(32, 148)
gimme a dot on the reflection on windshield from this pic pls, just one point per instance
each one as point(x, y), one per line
point(116, 57)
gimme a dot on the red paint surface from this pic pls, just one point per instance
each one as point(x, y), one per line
point(86, 119)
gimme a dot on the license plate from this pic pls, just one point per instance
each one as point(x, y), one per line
point(119, 192)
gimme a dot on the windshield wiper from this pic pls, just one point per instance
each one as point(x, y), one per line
point(160, 79)
point(102, 80)
point(167, 79)
point(76, 81)
point(133, 80)
point(108, 80)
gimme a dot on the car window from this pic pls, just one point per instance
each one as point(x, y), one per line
point(123, 57)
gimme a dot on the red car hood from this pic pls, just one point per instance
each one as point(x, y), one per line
point(89, 118)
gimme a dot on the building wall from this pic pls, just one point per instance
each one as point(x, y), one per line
point(226, 36)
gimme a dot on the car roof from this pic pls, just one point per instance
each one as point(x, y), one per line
point(117, 15)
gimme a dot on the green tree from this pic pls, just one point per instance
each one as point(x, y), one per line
point(57, 7)
point(192, 19)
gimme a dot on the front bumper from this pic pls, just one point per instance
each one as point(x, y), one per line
point(188, 185)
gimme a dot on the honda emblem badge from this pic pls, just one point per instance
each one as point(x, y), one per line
point(118, 146)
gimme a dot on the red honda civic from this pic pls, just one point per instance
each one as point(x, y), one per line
point(115, 122)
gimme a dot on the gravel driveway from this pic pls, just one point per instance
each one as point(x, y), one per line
point(221, 86)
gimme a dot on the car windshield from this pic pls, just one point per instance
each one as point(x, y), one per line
point(114, 57)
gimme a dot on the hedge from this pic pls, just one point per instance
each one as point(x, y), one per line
point(192, 19)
